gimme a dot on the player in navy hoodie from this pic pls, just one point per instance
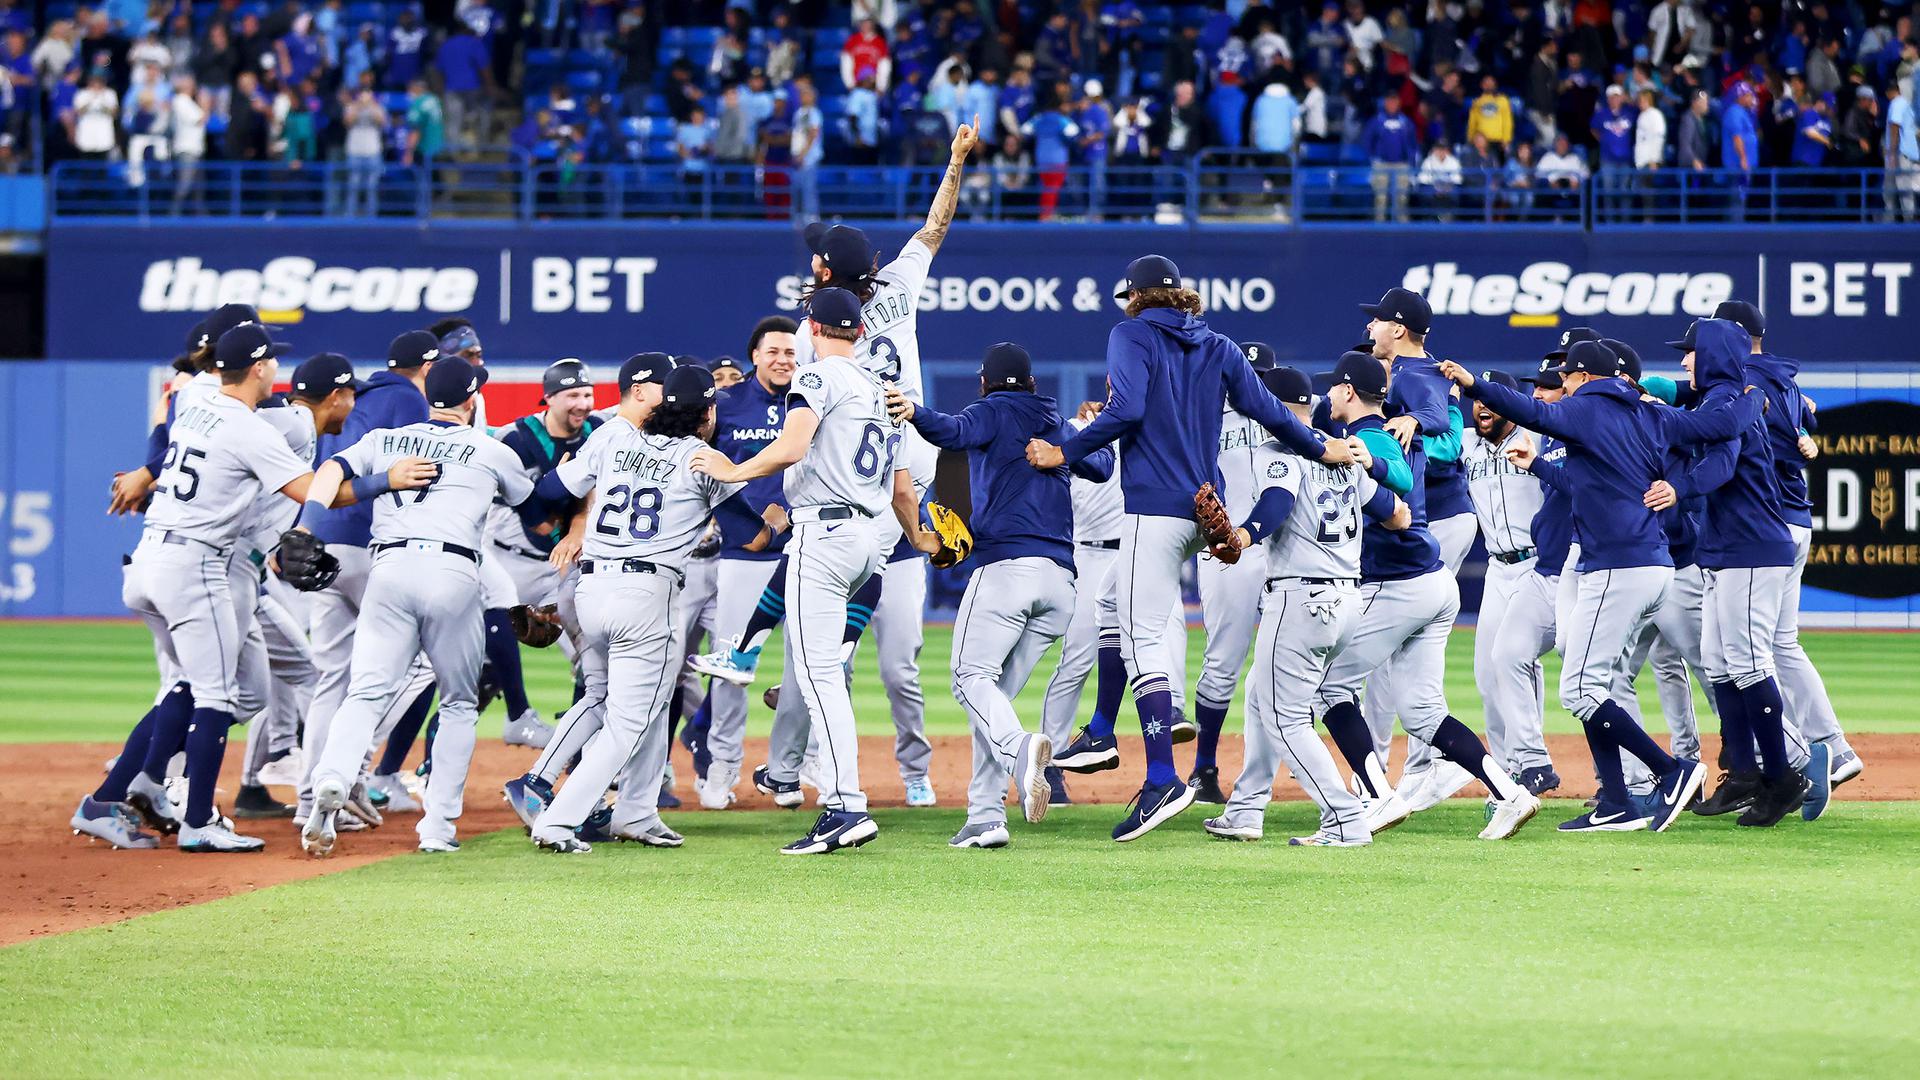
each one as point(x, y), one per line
point(1746, 553)
point(1168, 378)
point(1615, 449)
point(1020, 597)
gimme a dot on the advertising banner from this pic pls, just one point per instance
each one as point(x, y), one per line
point(604, 291)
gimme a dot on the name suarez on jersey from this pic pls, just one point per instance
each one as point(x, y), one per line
point(426, 447)
point(644, 466)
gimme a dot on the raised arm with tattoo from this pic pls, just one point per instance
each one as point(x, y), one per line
point(940, 214)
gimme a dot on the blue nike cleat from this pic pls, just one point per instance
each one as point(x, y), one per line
point(113, 822)
point(598, 828)
point(1089, 753)
point(1057, 787)
point(833, 831)
point(1819, 773)
point(1151, 808)
point(1606, 819)
point(786, 793)
point(1675, 793)
point(529, 796)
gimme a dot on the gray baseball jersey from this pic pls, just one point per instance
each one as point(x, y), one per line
point(851, 461)
point(890, 348)
point(646, 503)
point(274, 513)
point(1097, 508)
point(474, 467)
point(1240, 437)
point(220, 458)
point(1505, 496)
point(1321, 536)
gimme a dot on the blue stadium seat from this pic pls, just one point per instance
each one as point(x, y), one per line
point(667, 54)
point(700, 40)
point(365, 11)
point(656, 105)
point(395, 102)
point(545, 58)
point(675, 36)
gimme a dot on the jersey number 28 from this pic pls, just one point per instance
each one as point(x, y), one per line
point(642, 505)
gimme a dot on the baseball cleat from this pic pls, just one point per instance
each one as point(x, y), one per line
point(115, 823)
point(283, 771)
point(654, 835)
point(1183, 729)
point(1776, 800)
point(436, 846)
point(562, 841)
point(529, 796)
point(1846, 766)
point(666, 799)
point(1384, 813)
point(217, 836)
point(1057, 787)
point(598, 828)
point(1731, 793)
point(1439, 783)
point(1819, 774)
point(716, 788)
point(149, 799)
point(1601, 819)
point(981, 835)
point(1221, 828)
point(727, 662)
point(1510, 814)
point(1323, 838)
point(1089, 753)
point(360, 806)
point(1206, 786)
point(318, 834)
point(920, 792)
point(786, 793)
point(394, 789)
point(834, 830)
point(1030, 776)
point(254, 801)
point(1152, 807)
point(527, 729)
point(1540, 779)
point(1675, 792)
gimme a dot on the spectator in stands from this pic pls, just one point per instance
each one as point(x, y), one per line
point(1096, 127)
point(1326, 43)
point(910, 52)
point(1227, 113)
point(864, 56)
point(1491, 116)
point(683, 93)
point(734, 138)
point(948, 92)
point(1579, 96)
point(1053, 134)
point(1823, 68)
point(366, 123)
point(1612, 128)
point(1439, 179)
point(1859, 142)
point(1392, 146)
point(728, 64)
point(596, 25)
point(1132, 154)
point(406, 51)
point(254, 49)
point(146, 125)
point(784, 50)
point(1016, 98)
point(466, 73)
point(426, 125)
point(1179, 129)
point(860, 126)
point(1518, 181)
point(1182, 60)
point(54, 55)
point(1123, 23)
point(1478, 160)
point(806, 148)
point(1543, 89)
point(1739, 146)
point(94, 127)
point(1563, 172)
point(1671, 25)
point(1813, 140)
point(297, 133)
point(693, 144)
point(362, 55)
point(1693, 147)
point(1903, 154)
point(1649, 146)
point(882, 13)
point(299, 52)
point(982, 102)
point(16, 86)
point(1013, 172)
point(1313, 111)
point(1397, 45)
point(1053, 52)
point(215, 66)
point(1364, 35)
point(1275, 124)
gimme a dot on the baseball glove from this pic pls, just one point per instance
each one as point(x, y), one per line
point(956, 540)
point(1222, 539)
point(305, 562)
point(535, 626)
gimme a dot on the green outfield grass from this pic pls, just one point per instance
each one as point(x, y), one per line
point(63, 681)
point(1707, 951)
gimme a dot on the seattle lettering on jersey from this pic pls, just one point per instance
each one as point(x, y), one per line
point(1481, 466)
point(405, 444)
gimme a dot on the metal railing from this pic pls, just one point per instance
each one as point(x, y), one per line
point(1214, 187)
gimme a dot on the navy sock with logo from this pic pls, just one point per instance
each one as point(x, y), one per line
point(1211, 718)
point(1154, 702)
point(1606, 761)
point(1766, 718)
point(1631, 738)
point(1736, 735)
point(170, 720)
point(1109, 685)
point(206, 748)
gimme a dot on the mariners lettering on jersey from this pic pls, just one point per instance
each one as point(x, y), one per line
point(1505, 496)
point(410, 444)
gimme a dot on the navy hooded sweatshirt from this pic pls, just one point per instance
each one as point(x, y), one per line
point(1552, 525)
point(1396, 554)
point(1168, 376)
point(1786, 416)
point(1018, 511)
point(1742, 526)
point(389, 400)
point(1615, 451)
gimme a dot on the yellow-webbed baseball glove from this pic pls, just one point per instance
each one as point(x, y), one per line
point(956, 540)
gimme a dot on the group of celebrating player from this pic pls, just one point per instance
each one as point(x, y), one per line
point(1627, 520)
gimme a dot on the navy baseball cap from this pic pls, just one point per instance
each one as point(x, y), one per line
point(1504, 378)
point(1403, 306)
point(1259, 354)
point(460, 339)
point(1149, 272)
point(1006, 364)
point(226, 317)
point(1547, 376)
point(198, 338)
point(688, 358)
point(646, 367)
point(1569, 336)
point(719, 362)
point(1629, 357)
point(323, 373)
point(452, 381)
point(1743, 315)
point(845, 249)
point(568, 374)
point(245, 345)
point(688, 384)
point(1290, 385)
point(1591, 357)
point(834, 307)
point(1360, 371)
point(1686, 342)
point(413, 348)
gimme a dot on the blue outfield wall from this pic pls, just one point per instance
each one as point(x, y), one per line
point(121, 298)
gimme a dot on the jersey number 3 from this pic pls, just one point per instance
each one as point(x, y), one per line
point(642, 505)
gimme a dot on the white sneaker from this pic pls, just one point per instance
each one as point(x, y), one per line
point(1227, 830)
point(437, 846)
point(1510, 814)
point(810, 774)
point(1323, 838)
point(720, 663)
point(1385, 813)
point(284, 771)
point(1437, 784)
point(215, 836)
point(527, 729)
point(390, 784)
point(920, 792)
point(716, 789)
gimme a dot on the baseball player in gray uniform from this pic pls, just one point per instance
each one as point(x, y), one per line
point(1505, 500)
point(423, 594)
point(649, 510)
point(1307, 519)
point(839, 450)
